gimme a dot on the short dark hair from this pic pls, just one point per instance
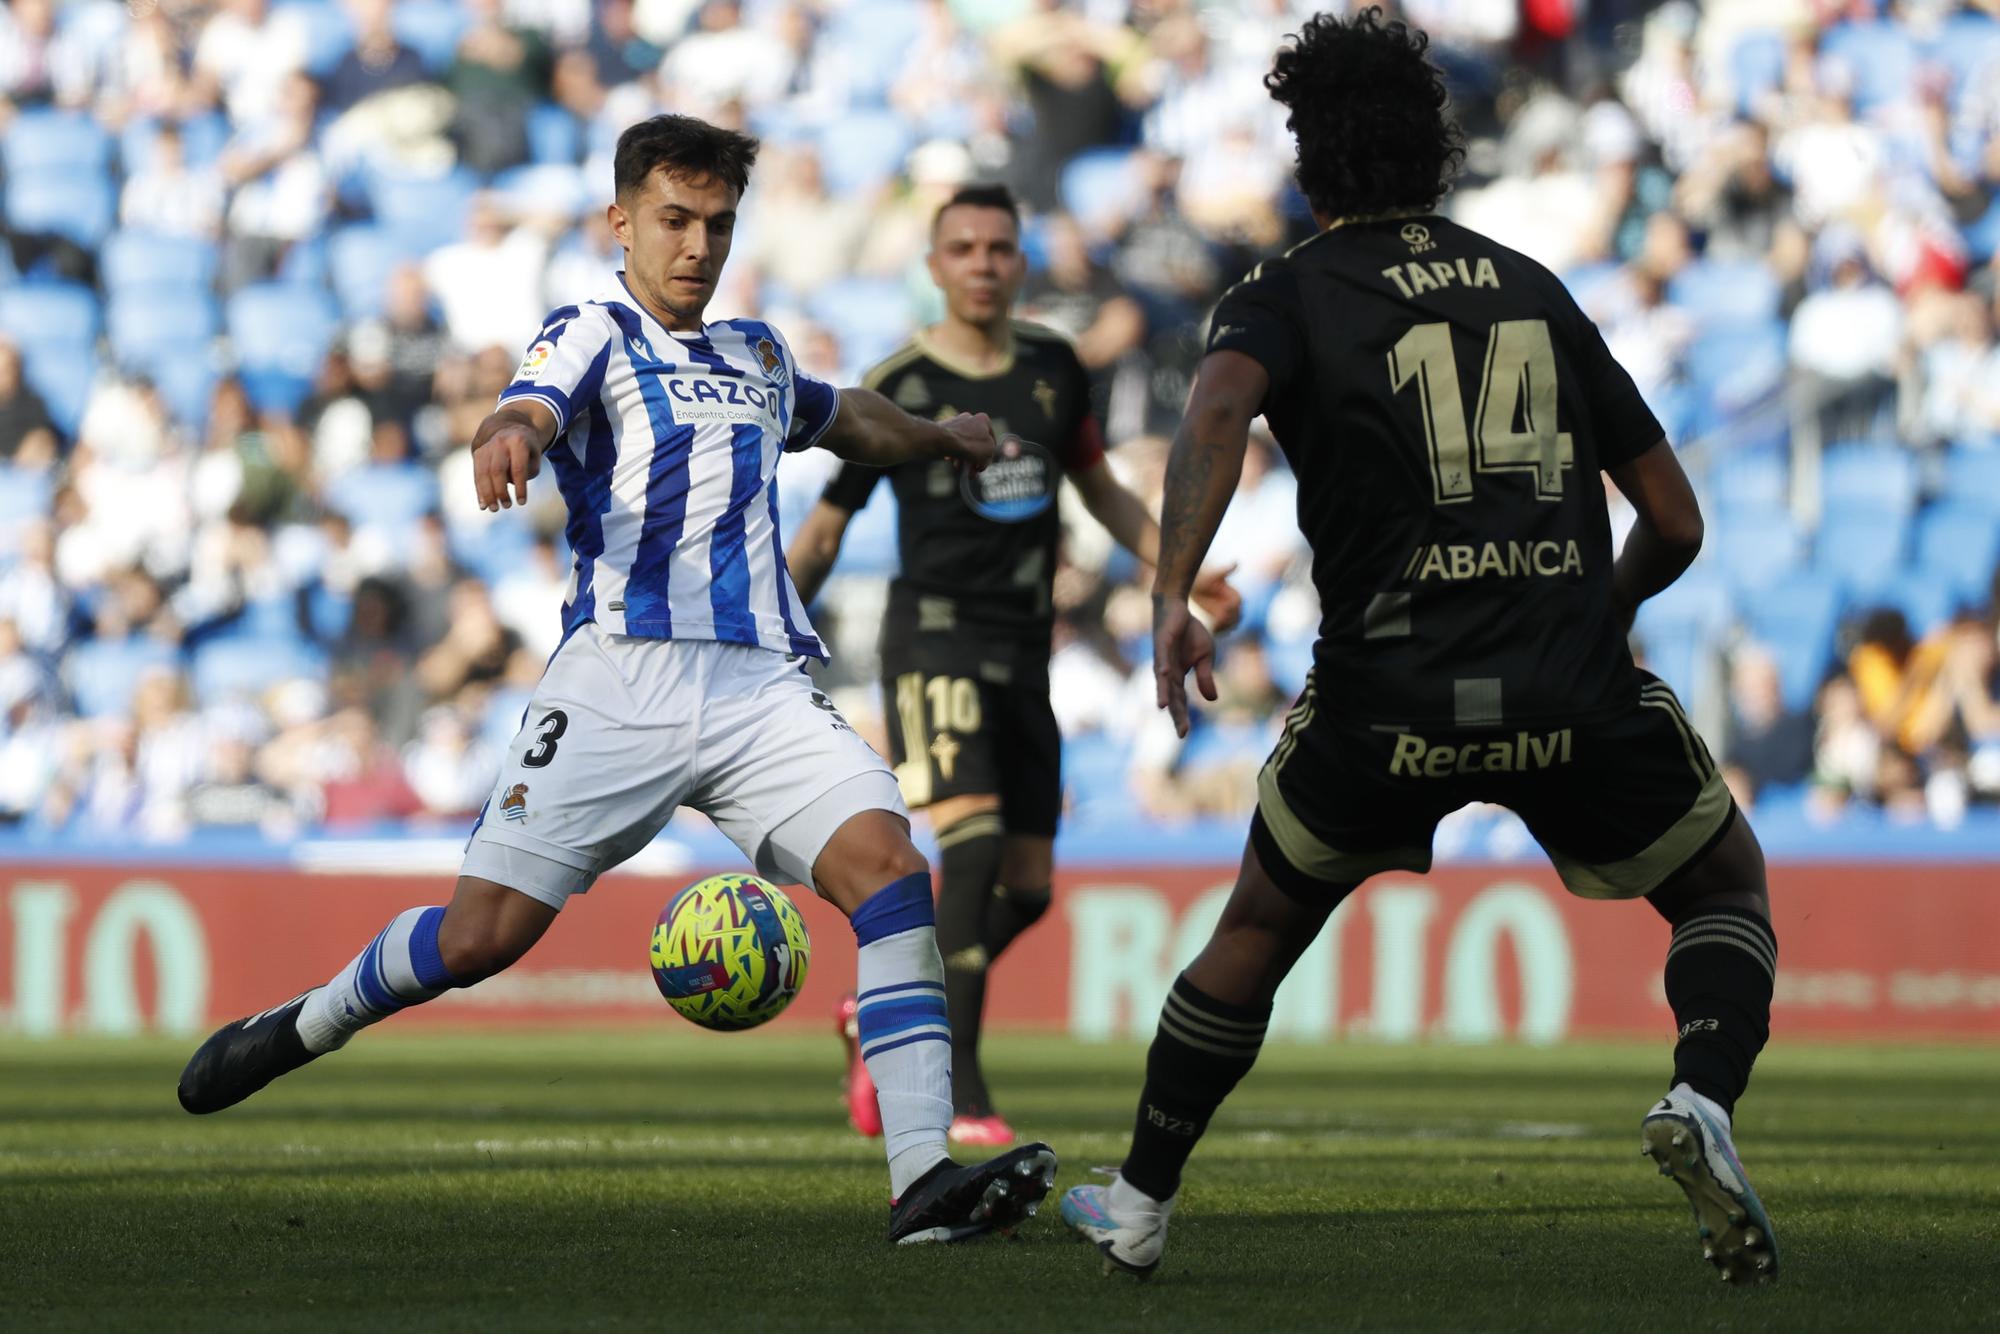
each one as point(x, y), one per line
point(1369, 112)
point(688, 148)
point(980, 196)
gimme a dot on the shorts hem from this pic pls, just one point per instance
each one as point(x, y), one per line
point(793, 844)
point(542, 848)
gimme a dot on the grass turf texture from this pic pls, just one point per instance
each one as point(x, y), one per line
point(665, 1180)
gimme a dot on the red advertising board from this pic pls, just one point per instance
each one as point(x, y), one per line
point(1465, 954)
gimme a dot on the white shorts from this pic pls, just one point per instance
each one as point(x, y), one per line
point(621, 731)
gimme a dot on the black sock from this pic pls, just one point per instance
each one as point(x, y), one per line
point(969, 862)
point(1720, 971)
point(1009, 912)
point(1202, 1049)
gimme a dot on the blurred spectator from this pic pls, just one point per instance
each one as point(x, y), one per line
point(447, 766)
point(1769, 744)
point(388, 114)
point(27, 435)
point(30, 732)
point(1960, 374)
point(489, 284)
point(170, 197)
point(35, 607)
point(477, 648)
point(724, 60)
point(377, 62)
point(1070, 69)
point(616, 48)
point(1740, 204)
point(248, 52)
point(792, 202)
point(500, 72)
point(230, 794)
point(1845, 338)
point(281, 193)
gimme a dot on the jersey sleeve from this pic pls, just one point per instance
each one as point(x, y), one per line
point(1623, 425)
point(815, 404)
point(1261, 318)
point(1084, 449)
point(564, 367)
point(851, 486)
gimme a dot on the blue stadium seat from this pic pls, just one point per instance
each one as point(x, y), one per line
point(1964, 45)
point(50, 316)
point(863, 150)
point(186, 384)
point(150, 328)
point(56, 141)
point(1862, 548)
point(1675, 656)
point(360, 259)
point(64, 383)
point(1697, 603)
point(1721, 294)
point(1734, 367)
point(870, 42)
point(1755, 478)
point(1099, 183)
point(553, 135)
point(430, 29)
point(422, 212)
point(59, 202)
point(1878, 478)
point(1881, 55)
point(1925, 601)
point(234, 667)
point(1756, 66)
point(1958, 545)
point(329, 33)
point(1096, 771)
point(869, 548)
point(385, 494)
point(202, 140)
point(24, 497)
point(139, 260)
point(281, 333)
point(547, 186)
point(872, 315)
point(1796, 618)
point(102, 674)
point(1755, 547)
point(1972, 477)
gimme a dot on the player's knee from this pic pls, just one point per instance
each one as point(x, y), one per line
point(871, 850)
point(1029, 905)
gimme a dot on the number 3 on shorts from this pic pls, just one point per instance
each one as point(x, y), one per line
point(552, 726)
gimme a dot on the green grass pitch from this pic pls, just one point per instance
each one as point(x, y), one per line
point(667, 1180)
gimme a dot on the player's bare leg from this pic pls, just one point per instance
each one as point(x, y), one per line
point(871, 871)
point(1210, 1032)
point(419, 956)
point(1721, 967)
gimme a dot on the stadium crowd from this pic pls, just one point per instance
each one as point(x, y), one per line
point(268, 265)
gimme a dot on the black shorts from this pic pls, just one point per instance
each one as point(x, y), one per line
point(1621, 804)
point(972, 719)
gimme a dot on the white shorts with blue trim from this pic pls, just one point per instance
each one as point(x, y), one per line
point(622, 731)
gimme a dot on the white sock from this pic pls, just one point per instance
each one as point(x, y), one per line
point(905, 1037)
point(1707, 1104)
point(1128, 1201)
point(400, 968)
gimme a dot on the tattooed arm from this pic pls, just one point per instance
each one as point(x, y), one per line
point(1202, 473)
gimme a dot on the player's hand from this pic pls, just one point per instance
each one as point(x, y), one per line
point(1180, 644)
point(1218, 598)
point(510, 456)
point(969, 440)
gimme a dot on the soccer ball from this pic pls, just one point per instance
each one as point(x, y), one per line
point(730, 952)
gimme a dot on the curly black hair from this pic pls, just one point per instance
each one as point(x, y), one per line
point(1368, 110)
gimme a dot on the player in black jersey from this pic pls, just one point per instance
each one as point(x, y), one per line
point(1447, 410)
point(965, 642)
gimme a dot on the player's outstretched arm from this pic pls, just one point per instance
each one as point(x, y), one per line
point(1667, 537)
point(868, 428)
point(1202, 472)
point(815, 548)
point(1124, 516)
point(507, 450)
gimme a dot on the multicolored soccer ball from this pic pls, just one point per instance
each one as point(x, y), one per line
point(730, 952)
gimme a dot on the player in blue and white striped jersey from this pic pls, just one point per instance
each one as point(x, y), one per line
point(680, 679)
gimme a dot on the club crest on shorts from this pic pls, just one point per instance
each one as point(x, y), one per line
point(767, 355)
point(515, 804)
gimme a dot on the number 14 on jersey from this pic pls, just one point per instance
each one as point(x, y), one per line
point(1516, 420)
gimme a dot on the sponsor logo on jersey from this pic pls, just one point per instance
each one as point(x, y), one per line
point(1418, 238)
point(1018, 485)
point(1496, 560)
point(773, 363)
point(721, 398)
point(536, 361)
point(515, 804)
point(1415, 757)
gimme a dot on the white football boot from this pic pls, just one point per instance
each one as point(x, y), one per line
point(1688, 1136)
point(1126, 1224)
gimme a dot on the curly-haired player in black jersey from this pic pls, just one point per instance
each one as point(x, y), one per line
point(1447, 409)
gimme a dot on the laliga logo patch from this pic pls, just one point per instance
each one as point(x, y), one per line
point(536, 361)
point(773, 363)
point(515, 804)
point(1418, 238)
point(1019, 484)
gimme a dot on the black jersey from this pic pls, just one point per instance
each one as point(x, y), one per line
point(979, 552)
point(1446, 408)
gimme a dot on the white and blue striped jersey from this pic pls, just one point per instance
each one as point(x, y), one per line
point(666, 452)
